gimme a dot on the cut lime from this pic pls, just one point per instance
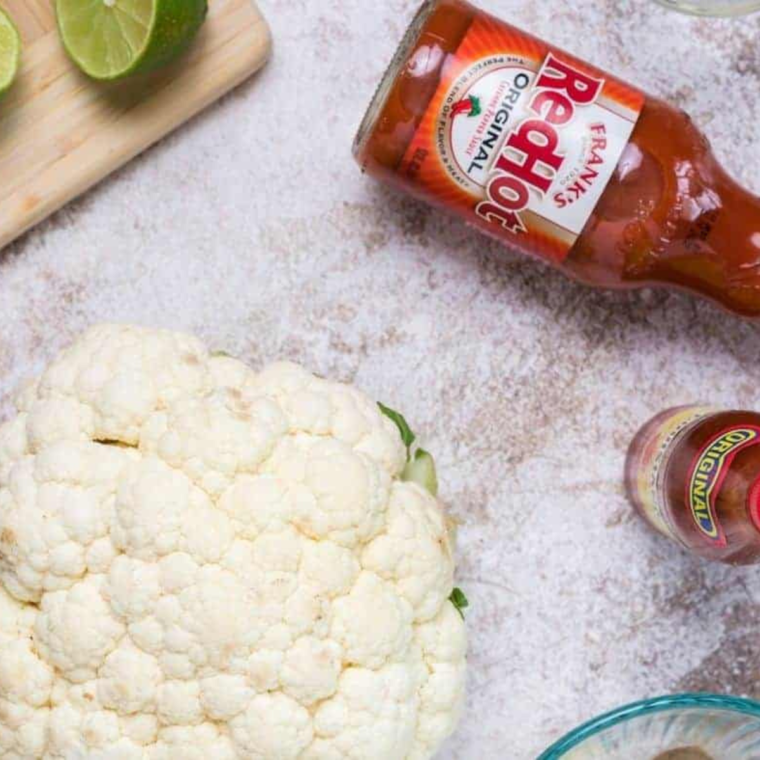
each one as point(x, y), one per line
point(10, 51)
point(110, 39)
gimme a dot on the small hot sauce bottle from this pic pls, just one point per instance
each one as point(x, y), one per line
point(693, 473)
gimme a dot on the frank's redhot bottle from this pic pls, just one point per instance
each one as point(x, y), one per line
point(559, 160)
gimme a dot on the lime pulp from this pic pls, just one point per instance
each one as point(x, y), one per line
point(110, 39)
point(10, 51)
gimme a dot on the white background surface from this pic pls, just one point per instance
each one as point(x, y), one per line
point(253, 228)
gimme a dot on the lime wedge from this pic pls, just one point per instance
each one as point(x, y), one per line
point(10, 51)
point(110, 39)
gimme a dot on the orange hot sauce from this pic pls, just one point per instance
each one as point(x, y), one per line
point(560, 160)
point(693, 474)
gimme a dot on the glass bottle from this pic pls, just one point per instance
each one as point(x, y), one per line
point(559, 160)
point(693, 473)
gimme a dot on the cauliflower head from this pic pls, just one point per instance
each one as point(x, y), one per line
point(200, 561)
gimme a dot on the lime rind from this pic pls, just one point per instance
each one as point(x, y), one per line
point(10, 51)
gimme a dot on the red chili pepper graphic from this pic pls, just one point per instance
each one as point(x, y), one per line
point(469, 106)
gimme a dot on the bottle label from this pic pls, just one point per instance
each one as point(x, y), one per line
point(653, 461)
point(521, 138)
point(707, 474)
point(753, 503)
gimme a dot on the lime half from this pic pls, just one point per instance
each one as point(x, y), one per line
point(10, 51)
point(110, 39)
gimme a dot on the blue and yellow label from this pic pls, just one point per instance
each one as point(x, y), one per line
point(708, 474)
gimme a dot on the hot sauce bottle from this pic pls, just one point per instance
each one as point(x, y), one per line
point(693, 473)
point(560, 160)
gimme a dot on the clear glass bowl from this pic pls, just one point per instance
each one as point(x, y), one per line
point(723, 728)
point(713, 7)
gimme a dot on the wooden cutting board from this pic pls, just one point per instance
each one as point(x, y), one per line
point(60, 132)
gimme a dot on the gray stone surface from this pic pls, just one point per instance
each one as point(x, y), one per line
point(252, 227)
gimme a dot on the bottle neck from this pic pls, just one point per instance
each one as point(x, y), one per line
point(735, 233)
point(731, 233)
point(713, 239)
point(673, 216)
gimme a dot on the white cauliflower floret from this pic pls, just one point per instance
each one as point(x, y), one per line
point(76, 629)
point(215, 437)
point(193, 743)
point(124, 374)
point(13, 445)
point(372, 622)
point(415, 550)
point(338, 493)
point(311, 669)
point(200, 561)
point(443, 643)
point(55, 508)
point(128, 680)
point(373, 716)
point(224, 696)
point(26, 683)
point(273, 727)
point(159, 511)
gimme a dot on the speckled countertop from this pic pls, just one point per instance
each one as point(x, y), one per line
point(252, 227)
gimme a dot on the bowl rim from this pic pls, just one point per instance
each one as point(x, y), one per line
point(646, 707)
